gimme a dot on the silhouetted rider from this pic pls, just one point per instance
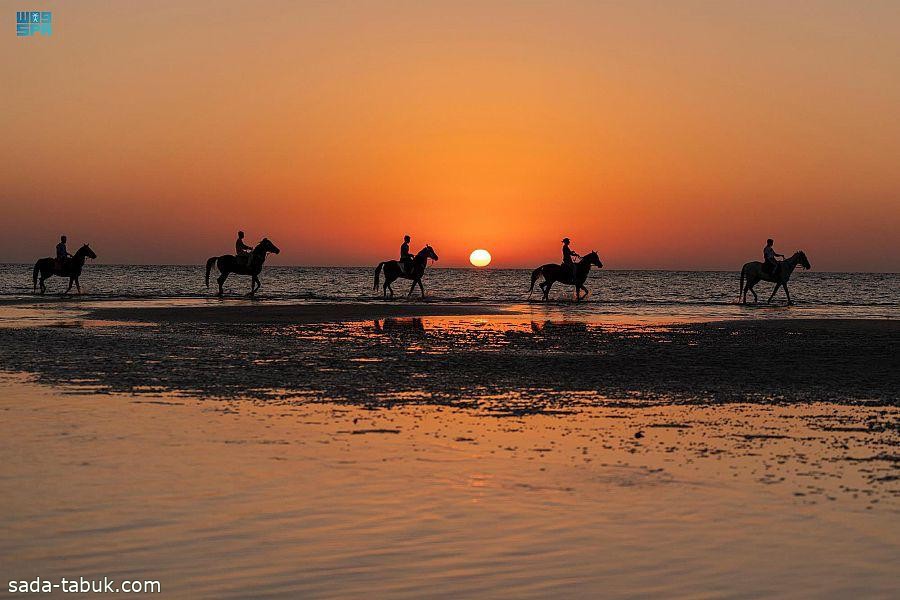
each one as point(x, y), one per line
point(569, 255)
point(61, 253)
point(406, 258)
point(769, 256)
point(242, 250)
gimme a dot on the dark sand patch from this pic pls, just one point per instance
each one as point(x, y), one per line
point(511, 371)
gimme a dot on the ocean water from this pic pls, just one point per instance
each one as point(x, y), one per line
point(677, 294)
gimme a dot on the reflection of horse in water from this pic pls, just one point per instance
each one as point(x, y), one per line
point(250, 265)
point(394, 270)
point(553, 272)
point(567, 327)
point(400, 324)
point(71, 268)
point(753, 272)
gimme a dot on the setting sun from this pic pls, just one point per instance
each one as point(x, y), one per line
point(480, 258)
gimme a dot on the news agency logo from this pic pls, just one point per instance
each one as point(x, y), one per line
point(31, 22)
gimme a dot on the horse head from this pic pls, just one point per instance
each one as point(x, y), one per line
point(426, 253)
point(801, 255)
point(592, 259)
point(86, 251)
point(266, 246)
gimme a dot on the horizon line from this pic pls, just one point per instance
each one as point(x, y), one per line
point(469, 267)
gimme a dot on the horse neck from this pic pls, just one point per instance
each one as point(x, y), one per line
point(791, 263)
point(79, 257)
point(583, 266)
point(421, 258)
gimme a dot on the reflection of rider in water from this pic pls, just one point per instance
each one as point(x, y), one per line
point(568, 255)
point(769, 255)
point(61, 253)
point(406, 258)
point(241, 249)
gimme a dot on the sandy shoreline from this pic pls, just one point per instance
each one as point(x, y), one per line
point(457, 355)
point(289, 451)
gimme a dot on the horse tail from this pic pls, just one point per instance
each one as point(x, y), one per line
point(209, 266)
point(534, 275)
point(378, 274)
point(34, 275)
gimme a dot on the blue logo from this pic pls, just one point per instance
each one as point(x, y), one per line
point(30, 22)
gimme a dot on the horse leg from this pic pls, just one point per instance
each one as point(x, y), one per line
point(78, 286)
point(787, 293)
point(221, 281)
point(255, 284)
point(41, 284)
point(71, 281)
point(777, 285)
point(421, 288)
point(549, 284)
point(411, 288)
point(586, 291)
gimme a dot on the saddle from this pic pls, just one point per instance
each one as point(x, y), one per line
point(242, 260)
point(771, 268)
point(406, 266)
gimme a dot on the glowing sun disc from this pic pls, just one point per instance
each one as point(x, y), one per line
point(480, 258)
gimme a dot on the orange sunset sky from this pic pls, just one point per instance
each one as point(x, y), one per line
point(662, 134)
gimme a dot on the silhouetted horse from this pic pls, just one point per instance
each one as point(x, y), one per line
point(393, 271)
point(251, 265)
point(753, 272)
point(553, 272)
point(71, 268)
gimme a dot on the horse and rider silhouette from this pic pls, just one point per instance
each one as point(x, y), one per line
point(246, 261)
point(408, 267)
point(64, 265)
point(569, 272)
point(249, 261)
point(771, 270)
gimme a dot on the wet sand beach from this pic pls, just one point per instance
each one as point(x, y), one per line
point(531, 357)
point(429, 450)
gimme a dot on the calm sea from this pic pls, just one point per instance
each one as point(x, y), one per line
point(640, 293)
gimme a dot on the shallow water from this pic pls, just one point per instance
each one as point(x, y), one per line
point(541, 450)
point(241, 498)
point(640, 294)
